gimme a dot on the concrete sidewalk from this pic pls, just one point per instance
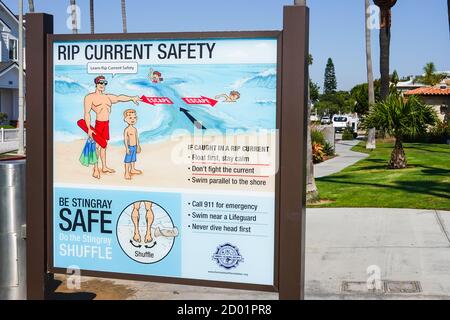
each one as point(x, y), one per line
point(404, 244)
point(345, 157)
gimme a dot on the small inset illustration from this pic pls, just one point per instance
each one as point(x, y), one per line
point(155, 76)
point(232, 97)
point(146, 232)
point(228, 256)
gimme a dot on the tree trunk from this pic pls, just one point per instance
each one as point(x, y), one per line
point(398, 157)
point(91, 12)
point(371, 143)
point(31, 5)
point(311, 188)
point(124, 16)
point(385, 41)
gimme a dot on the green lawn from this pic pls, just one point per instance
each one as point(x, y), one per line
point(425, 184)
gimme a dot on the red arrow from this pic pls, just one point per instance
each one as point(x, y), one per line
point(156, 100)
point(201, 100)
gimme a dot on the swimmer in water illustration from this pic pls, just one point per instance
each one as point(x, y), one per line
point(232, 97)
point(155, 76)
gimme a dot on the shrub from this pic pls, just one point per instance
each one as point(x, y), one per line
point(317, 137)
point(440, 133)
point(328, 149)
point(3, 117)
point(348, 134)
point(317, 153)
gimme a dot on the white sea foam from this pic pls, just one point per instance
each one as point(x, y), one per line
point(262, 75)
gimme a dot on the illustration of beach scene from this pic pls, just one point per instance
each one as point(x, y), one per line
point(245, 96)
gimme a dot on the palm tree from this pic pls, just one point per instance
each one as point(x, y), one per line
point(311, 187)
point(430, 77)
point(124, 16)
point(31, 5)
point(73, 7)
point(400, 118)
point(371, 134)
point(91, 13)
point(385, 42)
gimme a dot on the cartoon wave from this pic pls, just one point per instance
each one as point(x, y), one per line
point(172, 119)
point(266, 102)
point(65, 85)
point(266, 79)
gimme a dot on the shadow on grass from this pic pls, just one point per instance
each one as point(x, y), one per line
point(53, 285)
point(436, 172)
point(433, 188)
point(432, 171)
point(443, 148)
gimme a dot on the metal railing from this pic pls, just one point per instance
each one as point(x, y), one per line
point(7, 135)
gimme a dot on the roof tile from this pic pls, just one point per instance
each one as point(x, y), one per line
point(429, 91)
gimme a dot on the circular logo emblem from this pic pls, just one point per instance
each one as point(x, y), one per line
point(227, 256)
point(146, 232)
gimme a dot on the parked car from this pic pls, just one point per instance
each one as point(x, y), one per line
point(340, 122)
point(325, 120)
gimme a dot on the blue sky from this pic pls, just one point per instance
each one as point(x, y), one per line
point(420, 31)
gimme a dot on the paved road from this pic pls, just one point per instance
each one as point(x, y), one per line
point(404, 244)
point(345, 157)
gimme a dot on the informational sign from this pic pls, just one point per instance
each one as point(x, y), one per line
point(165, 156)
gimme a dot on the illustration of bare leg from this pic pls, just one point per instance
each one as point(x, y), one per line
point(133, 169)
point(135, 218)
point(105, 169)
point(127, 171)
point(96, 173)
point(149, 217)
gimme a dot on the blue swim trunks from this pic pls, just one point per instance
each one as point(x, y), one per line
point(131, 157)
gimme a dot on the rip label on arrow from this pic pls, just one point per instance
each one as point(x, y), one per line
point(201, 100)
point(156, 100)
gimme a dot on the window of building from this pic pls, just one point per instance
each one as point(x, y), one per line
point(13, 49)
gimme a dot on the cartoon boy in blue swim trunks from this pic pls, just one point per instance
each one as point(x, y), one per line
point(132, 146)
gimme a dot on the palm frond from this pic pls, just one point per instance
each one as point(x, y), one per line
point(400, 117)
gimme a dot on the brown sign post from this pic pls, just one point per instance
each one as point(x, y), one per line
point(289, 233)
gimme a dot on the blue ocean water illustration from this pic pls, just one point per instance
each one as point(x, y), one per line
point(256, 109)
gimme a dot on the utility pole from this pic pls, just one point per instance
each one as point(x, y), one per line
point(21, 127)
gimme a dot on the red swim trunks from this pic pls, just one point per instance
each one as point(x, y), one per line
point(102, 128)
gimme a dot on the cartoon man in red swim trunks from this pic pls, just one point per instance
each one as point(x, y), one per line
point(101, 102)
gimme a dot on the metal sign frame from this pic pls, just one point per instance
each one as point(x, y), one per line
point(290, 191)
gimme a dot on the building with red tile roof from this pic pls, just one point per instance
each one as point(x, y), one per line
point(437, 96)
